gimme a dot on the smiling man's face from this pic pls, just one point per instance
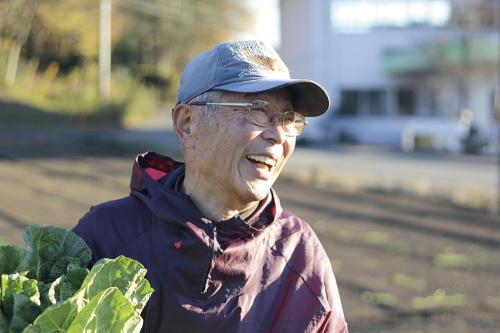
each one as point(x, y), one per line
point(234, 158)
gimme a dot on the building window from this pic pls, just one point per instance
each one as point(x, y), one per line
point(406, 102)
point(433, 103)
point(349, 103)
point(495, 105)
point(376, 102)
point(427, 102)
point(366, 102)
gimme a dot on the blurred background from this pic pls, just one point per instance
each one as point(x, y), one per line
point(400, 179)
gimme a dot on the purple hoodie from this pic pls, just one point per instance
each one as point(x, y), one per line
point(268, 273)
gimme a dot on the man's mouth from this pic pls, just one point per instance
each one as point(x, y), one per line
point(262, 162)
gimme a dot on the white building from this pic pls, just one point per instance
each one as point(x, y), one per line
point(399, 86)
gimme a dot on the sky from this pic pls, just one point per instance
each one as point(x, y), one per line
point(354, 15)
point(267, 27)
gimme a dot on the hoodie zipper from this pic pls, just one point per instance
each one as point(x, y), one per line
point(205, 279)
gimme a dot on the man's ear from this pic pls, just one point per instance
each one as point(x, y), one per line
point(183, 123)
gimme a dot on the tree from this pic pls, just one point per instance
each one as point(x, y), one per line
point(149, 38)
point(16, 17)
point(159, 37)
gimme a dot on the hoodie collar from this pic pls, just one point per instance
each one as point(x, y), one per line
point(153, 182)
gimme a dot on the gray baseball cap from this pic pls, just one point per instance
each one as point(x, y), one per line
point(249, 67)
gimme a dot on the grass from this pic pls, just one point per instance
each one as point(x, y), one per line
point(344, 235)
point(452, 259)
point(440, 299)
point(409, 282)
point(385, 241)
point(337, 265)
point(494, 302)
point(379, 299)
point(22, 113)
point(49, 98)
point(375, 239)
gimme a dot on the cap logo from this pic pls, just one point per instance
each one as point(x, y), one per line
point(258, 61)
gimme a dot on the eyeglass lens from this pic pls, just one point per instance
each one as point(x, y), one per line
point(262, 113)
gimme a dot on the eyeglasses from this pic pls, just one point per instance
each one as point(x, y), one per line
point(264, 114)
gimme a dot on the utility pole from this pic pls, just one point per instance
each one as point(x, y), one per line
point(496, 104)
point(105, 51)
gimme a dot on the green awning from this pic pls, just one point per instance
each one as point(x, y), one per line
point(458, 52)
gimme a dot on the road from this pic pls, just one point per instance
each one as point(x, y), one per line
point(403, 263)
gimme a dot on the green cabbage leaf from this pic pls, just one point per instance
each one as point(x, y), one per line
point(47, 287)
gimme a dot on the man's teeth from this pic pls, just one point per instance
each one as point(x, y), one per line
point(269, 162)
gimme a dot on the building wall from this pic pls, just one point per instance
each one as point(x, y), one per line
point(303, 46)
point(347, 61)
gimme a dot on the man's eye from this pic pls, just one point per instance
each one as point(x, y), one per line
point(260, 115)
point(258, 109)
point(289, 118)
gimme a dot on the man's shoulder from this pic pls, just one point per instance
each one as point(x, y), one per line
point(292, 226)
point(116, 222)
point(294, 238)
point(119, 209)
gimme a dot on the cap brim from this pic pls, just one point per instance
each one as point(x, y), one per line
point(308, 97)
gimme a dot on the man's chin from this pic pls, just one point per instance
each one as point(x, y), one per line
point(259, 191)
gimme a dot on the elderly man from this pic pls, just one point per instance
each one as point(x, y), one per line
point(221, 253)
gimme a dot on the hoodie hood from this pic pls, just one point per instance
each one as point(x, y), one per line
point(153, 182)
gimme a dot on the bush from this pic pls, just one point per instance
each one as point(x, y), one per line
point(75, 95)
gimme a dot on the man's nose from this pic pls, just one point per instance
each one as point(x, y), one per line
point(275, 132)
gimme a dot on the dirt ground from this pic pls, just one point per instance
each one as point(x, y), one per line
point(403, 264)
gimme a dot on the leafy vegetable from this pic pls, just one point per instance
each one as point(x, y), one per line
point(4, 324)
point(12, 284)
point(108, 311)
point(50, 251)
point(20, 300)
point(71, 282)
point(10, 255)
point(48, 288)
point(56, 318)
point(24, 311)
point(125, 274)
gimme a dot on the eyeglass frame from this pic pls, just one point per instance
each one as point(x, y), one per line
point(247, 106)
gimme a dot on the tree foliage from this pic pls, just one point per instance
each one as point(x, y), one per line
point(150, 39)
point(15, 19)
point(159, 39)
